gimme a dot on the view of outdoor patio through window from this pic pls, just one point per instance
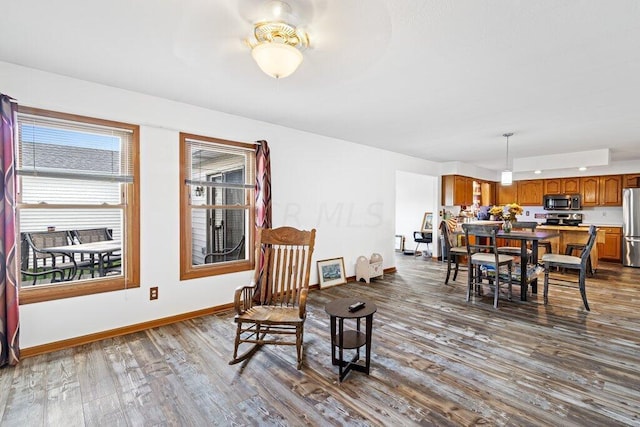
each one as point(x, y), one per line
point(72, 200)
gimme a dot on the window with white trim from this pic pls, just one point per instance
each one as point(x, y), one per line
point(77, 205)
point(217, 184)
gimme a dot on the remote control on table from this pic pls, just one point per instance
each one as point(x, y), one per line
point(356, 306)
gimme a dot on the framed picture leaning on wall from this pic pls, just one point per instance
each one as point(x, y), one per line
point(427, 222)
point(331, 272)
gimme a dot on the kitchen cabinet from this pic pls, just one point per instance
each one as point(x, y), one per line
point(611, 190)
point(590, 190)
point(506, 194)
point(562, 186)
point(463, 191)
point(571, 186)
point(530, 192)
point(631, 181)
point(487, 193)
point(601, 190)
point(611, 249)
point(553, 186)
point(457, 190)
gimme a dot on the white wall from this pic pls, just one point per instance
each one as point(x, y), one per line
point(345, 190)
point(415, 195)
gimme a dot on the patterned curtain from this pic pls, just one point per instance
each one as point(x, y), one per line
point(263, 197)
point(9, 320)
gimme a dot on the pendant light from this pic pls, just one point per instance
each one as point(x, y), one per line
point(507, 175)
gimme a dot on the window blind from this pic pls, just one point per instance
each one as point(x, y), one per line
point(58, 148)
point(207, 159)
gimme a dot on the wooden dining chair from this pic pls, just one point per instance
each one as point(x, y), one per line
point(275, 302)
point(451, 250)
point(482, 250)
point(572, 262)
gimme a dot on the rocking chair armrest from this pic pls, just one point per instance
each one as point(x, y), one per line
point(243, 297)
point(302, 307)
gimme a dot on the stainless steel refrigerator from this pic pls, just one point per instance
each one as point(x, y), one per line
point(631, 227)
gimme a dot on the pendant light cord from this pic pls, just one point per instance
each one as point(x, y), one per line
point(507, 135)
point(506, 161)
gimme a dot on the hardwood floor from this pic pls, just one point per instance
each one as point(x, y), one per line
point(436, 360)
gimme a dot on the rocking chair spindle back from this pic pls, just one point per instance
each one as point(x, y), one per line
point(275, 303)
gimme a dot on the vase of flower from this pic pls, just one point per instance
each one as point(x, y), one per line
point(507, 226)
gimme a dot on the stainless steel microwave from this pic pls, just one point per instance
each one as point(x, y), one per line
point(562, 202)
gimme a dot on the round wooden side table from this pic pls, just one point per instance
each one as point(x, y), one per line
point(342, 339)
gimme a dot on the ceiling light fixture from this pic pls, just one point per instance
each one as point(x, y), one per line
point(537, 172)
point(582, 168)
point(276, 45)
point(507, 176)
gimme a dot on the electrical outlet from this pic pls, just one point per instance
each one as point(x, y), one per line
point(153, 293)
point(526, 213)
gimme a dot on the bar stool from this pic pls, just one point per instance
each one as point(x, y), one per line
point(579, 247)
point(546, 244)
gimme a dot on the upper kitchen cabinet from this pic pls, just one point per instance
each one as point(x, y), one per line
point(460, 190)
point(631, 181)
point(601, 190)
point(590, 190)
point(457, 190)
point(506, 194)
point(487, 193)
point(571, 185)
point(530, 192)
point(553, 186)
point(611, 190)
point(562, 186)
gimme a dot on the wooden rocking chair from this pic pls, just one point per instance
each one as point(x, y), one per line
point(275, 304)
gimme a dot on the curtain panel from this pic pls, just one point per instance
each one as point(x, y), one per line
point(263, 185)
point(263, 197)
point(9, 319)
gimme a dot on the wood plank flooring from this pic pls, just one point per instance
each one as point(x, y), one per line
point(436, 360)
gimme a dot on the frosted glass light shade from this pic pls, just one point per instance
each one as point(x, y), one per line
point(506, 178)
point(277, 59)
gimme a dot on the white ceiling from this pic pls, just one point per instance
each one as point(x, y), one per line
point(436, 79)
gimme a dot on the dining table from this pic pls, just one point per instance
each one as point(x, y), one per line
point(101, 249)
point(525, 237)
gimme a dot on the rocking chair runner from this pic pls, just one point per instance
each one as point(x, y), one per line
point(278, 304)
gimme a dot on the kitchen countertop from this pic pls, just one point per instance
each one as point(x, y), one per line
point(582, 225)
point(563, 227)
point(600, 225)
